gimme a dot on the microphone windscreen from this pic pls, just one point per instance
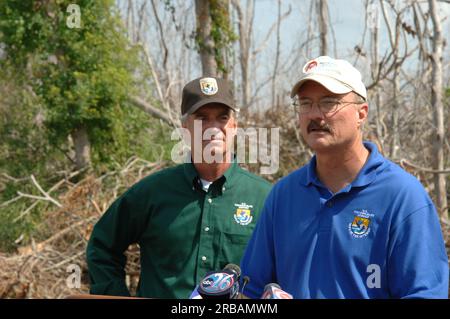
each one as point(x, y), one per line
point(268, 286)
point(235, 268)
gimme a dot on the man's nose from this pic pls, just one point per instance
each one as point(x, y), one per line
point(212, 124)
point(213, 128)
point(315, 112)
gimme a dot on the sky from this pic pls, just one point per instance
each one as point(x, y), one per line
point(347, 17)
point(348, 21)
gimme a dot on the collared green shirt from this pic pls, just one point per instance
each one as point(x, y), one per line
point(182, 231)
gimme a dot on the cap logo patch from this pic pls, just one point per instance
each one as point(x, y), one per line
point(311, 65)
point(209, 86)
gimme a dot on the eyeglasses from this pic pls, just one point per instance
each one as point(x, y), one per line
point(325, 105)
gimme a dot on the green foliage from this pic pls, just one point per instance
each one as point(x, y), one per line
point(82, 75)
point(54, 79)
point(221, 31)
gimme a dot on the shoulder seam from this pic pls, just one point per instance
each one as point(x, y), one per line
point(410, 214)
point(253, 176)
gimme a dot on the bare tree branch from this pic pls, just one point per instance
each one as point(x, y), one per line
point(161, 35)
point(150, 109)
point(405, 162)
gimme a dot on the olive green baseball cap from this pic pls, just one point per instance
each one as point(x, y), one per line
point(206, 90)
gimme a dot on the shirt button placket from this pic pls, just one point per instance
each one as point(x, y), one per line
point(205, 238)
point(326, 216)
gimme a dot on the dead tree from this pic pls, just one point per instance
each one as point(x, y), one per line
point(322, 17)
point(82, 147)
point(245, 28)
point(204, 38)
point(395, 35)
point(438, 110)
point(277, 56)
point(373, 22)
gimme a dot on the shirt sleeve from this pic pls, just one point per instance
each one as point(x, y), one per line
point(258, 261)
point(418, 262)
point(121, 225)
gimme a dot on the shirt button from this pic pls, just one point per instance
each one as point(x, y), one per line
point(223, 189)
point(206, 228)
point(193, 188)
point(204, 258)
point(209, 200)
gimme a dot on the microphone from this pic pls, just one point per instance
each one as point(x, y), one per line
point(235, 269)
point(245, 281)
point(222, 284)
point(274, 291)
point(195, 294)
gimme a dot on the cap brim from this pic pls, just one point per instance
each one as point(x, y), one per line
point(199, 104)
point(330, 84)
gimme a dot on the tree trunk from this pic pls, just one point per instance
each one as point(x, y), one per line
point(395, 138)
point(277, 56)
point(204, 39)
point(374, 28)
point(82, 147)
point(438, 111)
point(245, 25)
point(322, 14)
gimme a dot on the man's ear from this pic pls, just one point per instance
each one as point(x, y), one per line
point(184, 121)
point(233, 125)
point(363, 112)
point(235, 122)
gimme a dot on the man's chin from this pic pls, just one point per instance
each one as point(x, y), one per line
point(318, 143)
point(215, 155)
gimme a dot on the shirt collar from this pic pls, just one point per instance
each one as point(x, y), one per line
point(371, 168)
point(311, 176)
point(191, 174)
point(230, 173)
point(366, 175)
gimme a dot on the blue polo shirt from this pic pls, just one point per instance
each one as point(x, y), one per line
point(379, 237)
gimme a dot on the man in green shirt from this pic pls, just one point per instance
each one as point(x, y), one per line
point(188, 219)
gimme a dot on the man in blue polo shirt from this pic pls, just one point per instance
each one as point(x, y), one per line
point(349, 224)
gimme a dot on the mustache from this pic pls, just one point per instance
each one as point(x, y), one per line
point(313, 125)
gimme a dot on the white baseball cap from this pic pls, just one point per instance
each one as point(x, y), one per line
point(337, 76)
